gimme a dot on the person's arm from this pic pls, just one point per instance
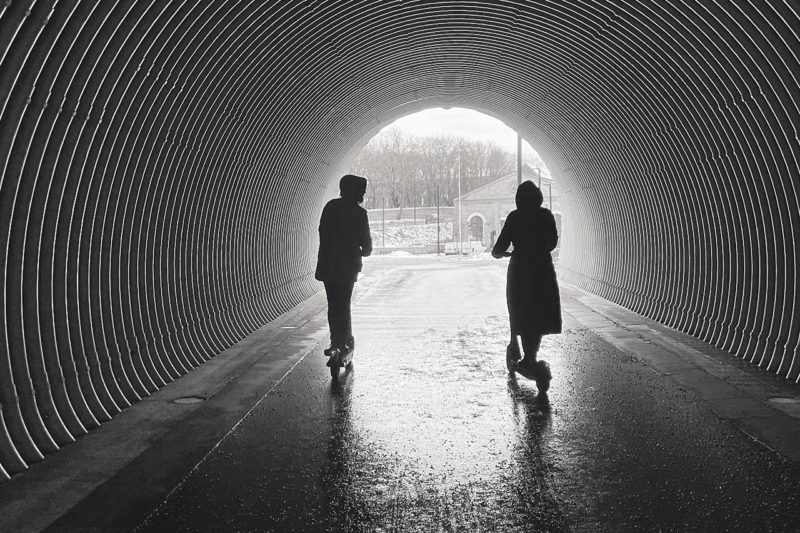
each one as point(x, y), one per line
point(324, 223)
point(503, 241)
point(364, 237)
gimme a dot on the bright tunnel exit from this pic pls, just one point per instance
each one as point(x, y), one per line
point(442, 181)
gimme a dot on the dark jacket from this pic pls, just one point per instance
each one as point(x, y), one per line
point(343, 240)
point(534, 303)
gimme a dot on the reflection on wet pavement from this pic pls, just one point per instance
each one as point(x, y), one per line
point(429, 433)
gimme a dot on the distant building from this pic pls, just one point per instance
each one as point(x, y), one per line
point(484, 210)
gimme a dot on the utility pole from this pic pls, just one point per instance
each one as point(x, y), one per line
point(438, 224)
point(519, 158)
point(383, 226)
point(460, 236)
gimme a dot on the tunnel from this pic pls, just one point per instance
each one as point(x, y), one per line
point(164, 165)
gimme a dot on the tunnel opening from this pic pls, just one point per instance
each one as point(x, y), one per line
point(442, 180)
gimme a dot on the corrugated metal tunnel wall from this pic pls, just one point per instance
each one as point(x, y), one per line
point(163, 166)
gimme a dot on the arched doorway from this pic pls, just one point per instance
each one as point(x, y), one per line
point(476, 228)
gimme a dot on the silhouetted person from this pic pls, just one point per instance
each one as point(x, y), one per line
point(343, 240)
point(534, 304)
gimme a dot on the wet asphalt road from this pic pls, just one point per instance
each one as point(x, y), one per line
point(429, 433)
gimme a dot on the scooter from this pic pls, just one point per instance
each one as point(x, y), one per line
point(540, 374)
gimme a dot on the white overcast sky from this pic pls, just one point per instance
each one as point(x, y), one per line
point(459, 121)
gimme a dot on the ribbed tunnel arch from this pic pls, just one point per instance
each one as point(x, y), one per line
point(163, 165)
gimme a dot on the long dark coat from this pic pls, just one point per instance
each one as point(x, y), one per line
point(534, 303)
point(343, 240)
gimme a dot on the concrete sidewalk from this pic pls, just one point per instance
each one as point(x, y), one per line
point(170, 436)
point(643, 428)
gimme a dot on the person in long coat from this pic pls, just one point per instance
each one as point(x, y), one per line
point(344, 239)
point(534, 303)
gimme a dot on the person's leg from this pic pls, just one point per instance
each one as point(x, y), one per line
point(339, 295)
point(347, 321)
point(333, 302)
point(530, 345)
point(513, 348)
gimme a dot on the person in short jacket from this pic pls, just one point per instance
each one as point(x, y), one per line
point(344, 239)
point(534, 303)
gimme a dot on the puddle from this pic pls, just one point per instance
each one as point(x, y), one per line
point(189, 400)
point(790, 406)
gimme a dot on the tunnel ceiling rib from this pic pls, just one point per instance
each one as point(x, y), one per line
point(163, 165)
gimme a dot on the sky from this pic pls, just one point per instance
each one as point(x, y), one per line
point(460, 121)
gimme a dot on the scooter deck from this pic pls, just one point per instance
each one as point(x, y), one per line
point(341, 359)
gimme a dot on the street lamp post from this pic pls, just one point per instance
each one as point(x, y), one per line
point(438, 223)
point(383, 226)
point(460, 236)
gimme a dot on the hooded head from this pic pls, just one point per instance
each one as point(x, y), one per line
point(529, 196)
point(353, 188)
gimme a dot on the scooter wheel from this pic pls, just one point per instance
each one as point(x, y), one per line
point(335, 372)
point(543, 376)
point(543, 385)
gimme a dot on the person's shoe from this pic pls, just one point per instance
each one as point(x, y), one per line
point(335, 358)
point(329, 350)
point(528, 365)
point(350, 344)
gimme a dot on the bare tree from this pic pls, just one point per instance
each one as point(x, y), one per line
point(404, 170)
